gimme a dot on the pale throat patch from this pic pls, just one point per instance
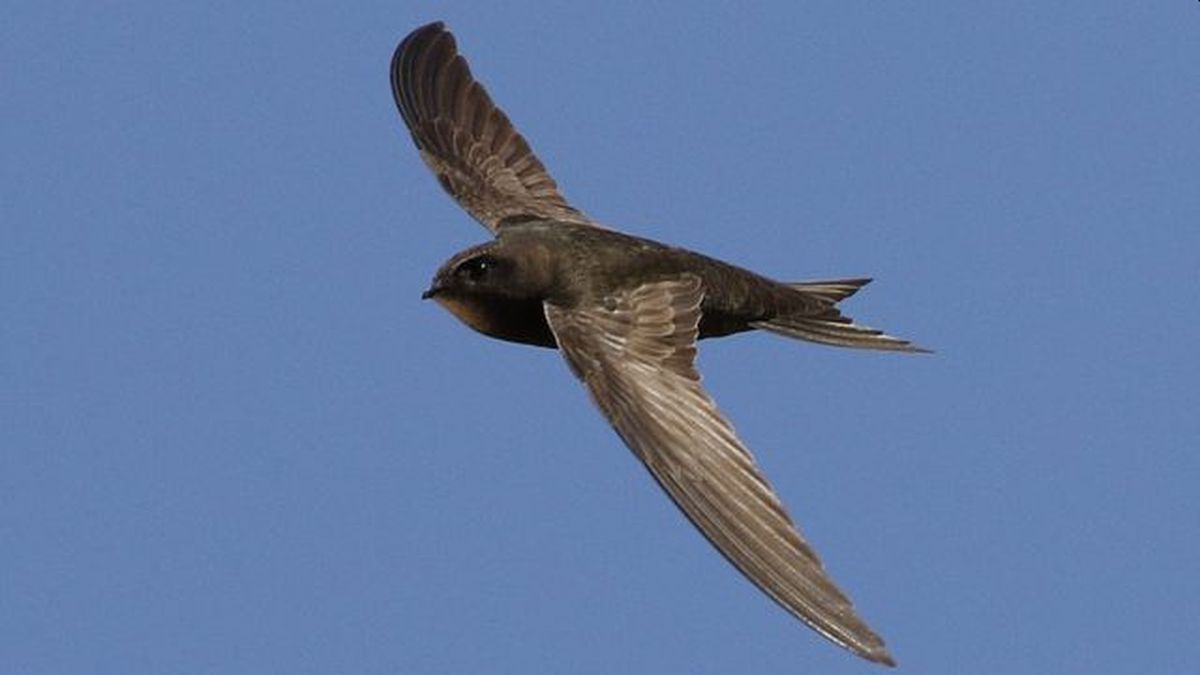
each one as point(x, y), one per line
point(471, 312)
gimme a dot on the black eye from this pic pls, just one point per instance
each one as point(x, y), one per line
point(476, 268)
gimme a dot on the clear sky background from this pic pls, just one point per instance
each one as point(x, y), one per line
point(234, 440)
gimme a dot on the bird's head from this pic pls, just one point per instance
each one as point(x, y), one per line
point(496, 269)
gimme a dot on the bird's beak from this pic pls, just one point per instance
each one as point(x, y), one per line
point(433, 290)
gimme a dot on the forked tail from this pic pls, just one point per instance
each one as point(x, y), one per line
point(831, 327)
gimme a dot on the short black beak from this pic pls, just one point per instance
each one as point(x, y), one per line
point(433, 290)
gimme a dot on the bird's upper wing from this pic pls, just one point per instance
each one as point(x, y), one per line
point(477, 155)
point(636, 354)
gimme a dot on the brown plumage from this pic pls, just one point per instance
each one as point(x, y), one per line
point(627, 313)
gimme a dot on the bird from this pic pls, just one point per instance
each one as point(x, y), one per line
point(626, 314)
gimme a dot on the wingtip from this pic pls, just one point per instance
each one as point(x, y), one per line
point(421, 34)
point(421, 31)
point(875, 653)
point(438, 26)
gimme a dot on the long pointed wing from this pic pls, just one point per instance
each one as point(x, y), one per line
point(637, 358)
point(472, 148)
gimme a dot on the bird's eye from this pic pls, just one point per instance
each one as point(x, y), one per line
point(476, 268)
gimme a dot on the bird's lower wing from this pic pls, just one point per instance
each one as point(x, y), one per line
point(636, 354)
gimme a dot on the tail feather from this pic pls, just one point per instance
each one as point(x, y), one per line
point(838, 334)
point(831, 327)
point(834, 290)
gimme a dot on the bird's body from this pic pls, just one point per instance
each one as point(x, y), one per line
point(584, 264)
point(580, 264)
point(626, 313)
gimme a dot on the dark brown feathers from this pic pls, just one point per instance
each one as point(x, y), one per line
point(472, 148)
point(637, 359)
point(626, 313)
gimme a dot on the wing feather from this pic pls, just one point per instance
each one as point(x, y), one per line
point(469, 143)
point(636, 355)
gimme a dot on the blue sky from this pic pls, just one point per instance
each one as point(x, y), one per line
point(234, 440)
